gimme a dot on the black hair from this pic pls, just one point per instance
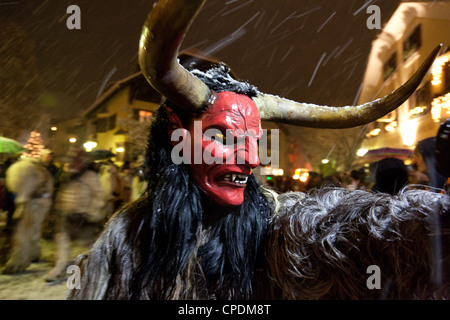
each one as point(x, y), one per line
point(166, 237)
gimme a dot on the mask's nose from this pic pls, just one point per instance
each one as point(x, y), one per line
point(247, 153)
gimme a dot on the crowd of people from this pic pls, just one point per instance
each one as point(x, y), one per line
point(61, 201)
point(388, 175)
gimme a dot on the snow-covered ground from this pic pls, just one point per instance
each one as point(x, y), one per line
point(31, 285)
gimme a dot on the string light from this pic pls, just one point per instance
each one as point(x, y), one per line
point(440, 107)
point(34, 145)
point(437, 69)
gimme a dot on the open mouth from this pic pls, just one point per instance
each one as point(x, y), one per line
point(236, 178)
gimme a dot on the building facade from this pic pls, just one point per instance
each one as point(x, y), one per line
point(413, 31)
point(119, 119)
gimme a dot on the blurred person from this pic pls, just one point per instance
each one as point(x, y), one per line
point(47, 158)
point(425, 160)
point(2, 186)
point(442, 151)
point(32, 185)
point(391, 175)
point(415, 177)
point(8, 200)
point(126, 185)
point(138, 184)
point(111, 184)
point(78, 209)
point(314, 180)
point(332, 180)
point(356, 180)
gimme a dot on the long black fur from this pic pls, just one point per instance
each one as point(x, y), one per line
point(183, 246)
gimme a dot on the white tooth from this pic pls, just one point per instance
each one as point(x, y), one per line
point(233, 177)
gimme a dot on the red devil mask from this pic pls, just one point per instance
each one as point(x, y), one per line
point(224, 147)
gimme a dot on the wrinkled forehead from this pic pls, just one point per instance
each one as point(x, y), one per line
point(232, 111)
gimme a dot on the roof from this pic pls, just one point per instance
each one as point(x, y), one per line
point(143, 91)
point(117, 86)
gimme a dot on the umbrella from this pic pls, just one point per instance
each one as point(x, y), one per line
point(382, 153)
point(11, 146)
point(100, 154)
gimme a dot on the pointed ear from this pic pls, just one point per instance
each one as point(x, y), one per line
point(175, 124)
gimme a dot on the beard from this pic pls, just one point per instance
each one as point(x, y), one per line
point(188, 247)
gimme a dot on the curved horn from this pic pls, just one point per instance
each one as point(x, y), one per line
point(274, 108)
point(160, 41)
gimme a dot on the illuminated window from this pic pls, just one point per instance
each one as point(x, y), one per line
point(412, 43)
point(103, 124)
point(390, 66)
point(446, 72)
point(143, 115)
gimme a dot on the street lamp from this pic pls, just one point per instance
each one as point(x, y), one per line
point(89, 145)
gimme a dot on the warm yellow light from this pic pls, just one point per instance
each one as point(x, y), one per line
point(325, 161)
point(120, 149)
point(277, 172)
point(408, 131)
point(303, 178)
point(72, 140)
point(375, 132)
point(440, 107)
point(89, 145)
point(437, 69)
point(54, 128)
point(361, 152)
point(417, 110)
point(295, 176)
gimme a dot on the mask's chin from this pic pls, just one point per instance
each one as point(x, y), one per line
point(223, 185)
point(225, 193)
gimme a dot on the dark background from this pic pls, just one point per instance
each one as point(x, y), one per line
point(304, 50)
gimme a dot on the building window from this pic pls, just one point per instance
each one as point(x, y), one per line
point(112, 122)
point(104, 124)
point(446, 73)
point(412, 43)
point(390, 66)
point(143, 115)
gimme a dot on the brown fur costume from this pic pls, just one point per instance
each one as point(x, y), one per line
point(322, 244)
point(32, 184)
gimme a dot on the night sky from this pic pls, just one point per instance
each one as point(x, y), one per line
point(304, 50)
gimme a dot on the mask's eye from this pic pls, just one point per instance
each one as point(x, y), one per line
point(214, 135)
point(220, 136)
